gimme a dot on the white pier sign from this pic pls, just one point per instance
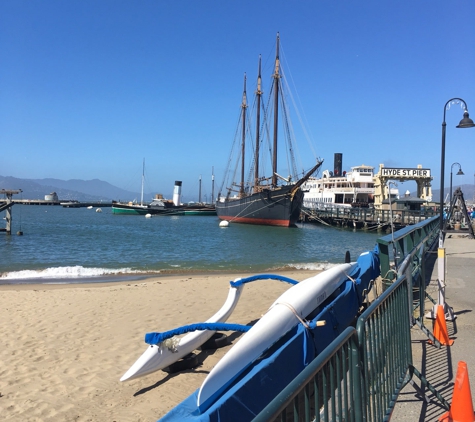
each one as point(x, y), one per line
point(413, 173)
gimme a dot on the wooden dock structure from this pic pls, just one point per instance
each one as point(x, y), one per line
point(7, 207)
point(7, 204)
point(365, 218)
point(64, 204)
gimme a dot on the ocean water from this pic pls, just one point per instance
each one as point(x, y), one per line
point(68, 245)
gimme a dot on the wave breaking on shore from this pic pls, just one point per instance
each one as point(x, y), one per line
point(79, 273)
point(67, 272)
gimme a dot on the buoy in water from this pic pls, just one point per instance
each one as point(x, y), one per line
point(98, 210)
point(19, 233)
point(148, 215)
point(224, 223)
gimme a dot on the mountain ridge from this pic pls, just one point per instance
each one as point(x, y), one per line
point(99, 190)
point(67, 190)
point(467, 190)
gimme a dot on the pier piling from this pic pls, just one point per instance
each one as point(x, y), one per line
point(7, 207)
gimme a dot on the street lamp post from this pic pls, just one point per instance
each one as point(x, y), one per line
point(466, 122)
point(392, 222)
point(459, 173)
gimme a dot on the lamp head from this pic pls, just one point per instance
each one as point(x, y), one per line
point(466, 121)
point(460, 172)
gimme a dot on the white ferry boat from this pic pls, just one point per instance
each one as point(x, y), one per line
point(337, 188)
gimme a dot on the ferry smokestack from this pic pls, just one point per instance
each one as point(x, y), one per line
point(177, 193)
point(338, 164)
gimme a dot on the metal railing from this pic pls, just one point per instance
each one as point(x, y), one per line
point(359, 376)
point(328, 389)
point(394, 247)
point(385, 350)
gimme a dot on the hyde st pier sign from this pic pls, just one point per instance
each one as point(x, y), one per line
point(422, 177)
point(405, 173)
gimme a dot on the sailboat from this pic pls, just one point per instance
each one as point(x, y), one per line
point(274, 200)
point(200, 208)
point(158, 205)
point(161, 206)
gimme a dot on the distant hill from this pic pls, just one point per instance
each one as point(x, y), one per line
point(81, 190)
point(97, 190)
point(467, 190)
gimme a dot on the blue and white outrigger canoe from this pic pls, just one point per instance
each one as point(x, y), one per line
point(167, 348)
point(281, 344)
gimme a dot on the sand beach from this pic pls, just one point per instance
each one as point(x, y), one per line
point(65, 347)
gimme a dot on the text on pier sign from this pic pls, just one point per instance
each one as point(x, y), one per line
point(412, 173)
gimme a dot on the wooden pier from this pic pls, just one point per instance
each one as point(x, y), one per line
point(365, 218)
point(65, 204)
point(7, 204)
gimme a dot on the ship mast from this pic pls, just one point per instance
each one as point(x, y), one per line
point(258, 123)
point(199, 192)
point(276, 77)
point(143, 177)
point(243, 107)
point(212, 184)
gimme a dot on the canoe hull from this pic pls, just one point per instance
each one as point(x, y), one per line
point(292, 306)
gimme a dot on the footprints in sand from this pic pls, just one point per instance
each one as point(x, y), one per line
point(64, 350)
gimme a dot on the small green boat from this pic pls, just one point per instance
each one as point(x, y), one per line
point(161, 207)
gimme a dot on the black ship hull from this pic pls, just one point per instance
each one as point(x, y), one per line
point(277, 207)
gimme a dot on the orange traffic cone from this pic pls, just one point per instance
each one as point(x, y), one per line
point(440, 328)
point(461, 409)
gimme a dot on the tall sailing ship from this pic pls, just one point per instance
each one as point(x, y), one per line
point(274, 200)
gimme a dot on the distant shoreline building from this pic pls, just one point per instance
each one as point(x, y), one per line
point(53, 197)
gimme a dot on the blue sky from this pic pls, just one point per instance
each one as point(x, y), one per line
point(90, 88)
